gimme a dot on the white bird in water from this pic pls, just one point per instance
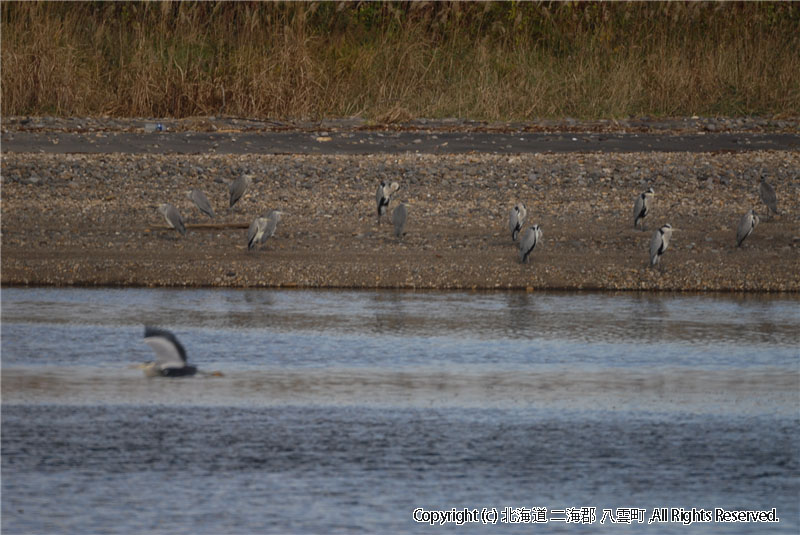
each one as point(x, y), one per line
point(641, 206)
point(659, 243)
point(747, 225)
point(516, 218)
point(201, 201)
point(530, 239)
point(767, 194)
point(263, 228)
point(173, 217)
point(170, 355)
point(238, 187)
point(384, 195)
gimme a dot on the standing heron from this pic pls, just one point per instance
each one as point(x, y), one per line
point(263, 228)
point(399, 217)
point(530, 239)
point(170, 355)
point(173, 217)
point(238, 187)
point(384, 195)
point(767, 194)
point(641, 206)
point(256, 232)
point(201, 201)
point(516, 218)
point(659, 243)
point(273, 217)
point(747, 225)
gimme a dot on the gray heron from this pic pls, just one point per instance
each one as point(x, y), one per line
point(173, 217)
point(767, 194)
point(238, 187)
point(747, 225)
point(384, 195)
point(399, 217)
point(256, 231)
point(530, 239)
point(516, 218)
point(201, 201)
point(641, 206)
point(170, 355)
point(263, 228)
point(659, 243)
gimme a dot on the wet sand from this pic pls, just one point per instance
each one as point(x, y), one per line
point(91, 219)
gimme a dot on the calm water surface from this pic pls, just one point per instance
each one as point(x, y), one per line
point(345, 411)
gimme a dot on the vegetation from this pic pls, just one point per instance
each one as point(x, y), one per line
point(396, 60)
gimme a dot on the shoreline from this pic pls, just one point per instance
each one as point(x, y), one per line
point(549, 290)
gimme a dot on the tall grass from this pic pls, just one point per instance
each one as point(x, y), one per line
point(393, 61)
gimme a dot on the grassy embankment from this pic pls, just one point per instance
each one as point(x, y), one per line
point(394, 61)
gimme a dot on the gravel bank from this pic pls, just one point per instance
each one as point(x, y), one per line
point(674, 125)
point(92, 220)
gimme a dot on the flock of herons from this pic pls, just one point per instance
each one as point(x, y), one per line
point(263, 227)
point(641, 206)
point(171, 356)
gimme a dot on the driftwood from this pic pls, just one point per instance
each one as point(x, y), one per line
point(201, 226)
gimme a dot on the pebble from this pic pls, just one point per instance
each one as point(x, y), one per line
point(101, 211)
point(341, 126)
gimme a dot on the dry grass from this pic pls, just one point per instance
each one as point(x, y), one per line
point(393, 61)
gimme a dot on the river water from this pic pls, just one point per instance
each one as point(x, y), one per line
point(346, 412)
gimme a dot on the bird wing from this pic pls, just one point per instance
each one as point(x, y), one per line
point(202, 203)
point(665, 241)
point(767, 193)
point(528, 241)
point(237, 189)
point(271, 223)
point(255, 232)
point(379, 195)
point(745, 227)
point(655, 244)
point(523, 213)
point(169, 351)
point(399, 216)
point(175, 219)
point(513, 219)
point(234, 195)
point(251, 232)
point(637, 207)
